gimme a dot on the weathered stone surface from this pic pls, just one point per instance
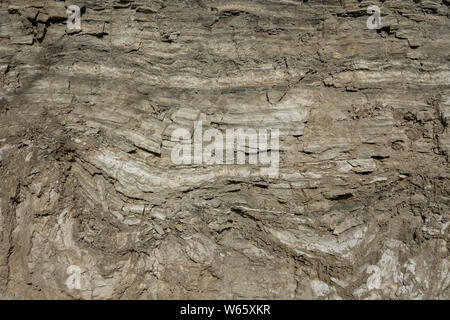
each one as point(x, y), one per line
point(360, 208)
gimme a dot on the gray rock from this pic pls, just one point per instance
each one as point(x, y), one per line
point(359, 207)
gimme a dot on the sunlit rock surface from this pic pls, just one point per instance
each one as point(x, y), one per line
point(359, 210)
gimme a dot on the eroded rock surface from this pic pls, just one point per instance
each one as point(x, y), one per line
point(360, 208)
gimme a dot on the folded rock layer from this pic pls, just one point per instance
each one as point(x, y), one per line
point(92, 205)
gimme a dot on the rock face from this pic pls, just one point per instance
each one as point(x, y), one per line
point(93, 207)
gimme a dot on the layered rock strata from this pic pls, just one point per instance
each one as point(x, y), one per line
point(359, 209)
